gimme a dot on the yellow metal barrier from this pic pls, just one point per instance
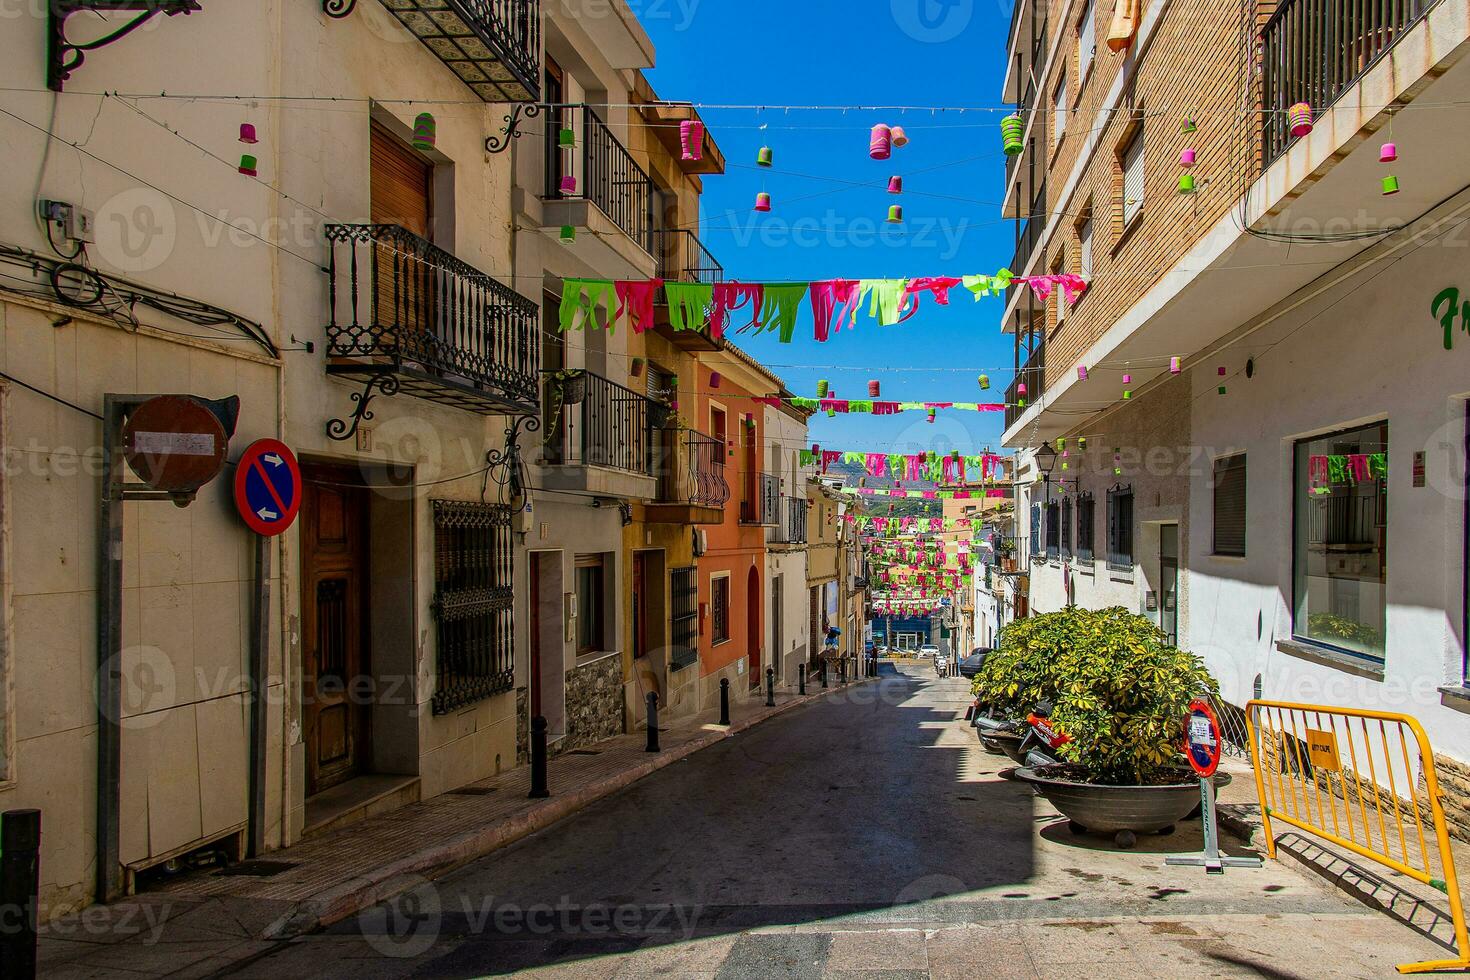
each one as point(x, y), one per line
point(1336, 773)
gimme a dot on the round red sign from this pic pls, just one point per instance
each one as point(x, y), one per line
point(1202, 738)
point(174, 443)
point(268, 487)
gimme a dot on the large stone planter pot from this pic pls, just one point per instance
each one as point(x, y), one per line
point(1124, 811)
point(997, 738)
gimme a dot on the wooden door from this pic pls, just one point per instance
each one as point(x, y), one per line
point(402, 195)
point(334, 625)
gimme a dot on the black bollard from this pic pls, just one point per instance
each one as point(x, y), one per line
point(652, 722)
point(20, 880)
point(824, 673)
point(770, 687)
point(724, 701)
point(842, 671)
point(801, 678)
point(538, 760)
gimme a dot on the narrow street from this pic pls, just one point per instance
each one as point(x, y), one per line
point(865, 834)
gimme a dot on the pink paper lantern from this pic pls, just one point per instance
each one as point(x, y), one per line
point(763, 202)
point(1186, 158)
point(880, 143)
point(895, 185)
point(247, 133)
point(569, 184)
point(1081, 373)
point(1174, 365)
point(1127, 379)
point(691, 138)
point(873, 389)
point(1388, 154)
point(714, 379)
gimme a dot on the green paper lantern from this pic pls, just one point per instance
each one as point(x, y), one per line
point(1013, 134)
point(567, 139)
point(425, 131)
point(568, 235)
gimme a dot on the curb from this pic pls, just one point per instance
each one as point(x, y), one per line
point(393, 878)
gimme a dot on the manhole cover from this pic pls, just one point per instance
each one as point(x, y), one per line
point(256, 869)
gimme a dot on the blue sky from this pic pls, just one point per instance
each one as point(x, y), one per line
point(830, 200)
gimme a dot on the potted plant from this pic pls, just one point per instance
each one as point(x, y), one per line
point(572, 384)
point(1007, 553)
point(1121, 693)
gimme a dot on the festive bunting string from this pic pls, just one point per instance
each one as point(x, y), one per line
point(928, 467)
point(1325, 470)
point(706, 307)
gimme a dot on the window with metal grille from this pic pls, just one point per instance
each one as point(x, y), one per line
point(1035, 529)
point(684, 621)
point(1086, 521)
point(1230, 506)
point(1120, 528)
point(1133, 177)
point(1067, 527)
point(1053, 529)
point(719, 589)
point(472, 605)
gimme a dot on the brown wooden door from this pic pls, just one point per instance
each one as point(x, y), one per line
point(334, 628)
point(402, 194)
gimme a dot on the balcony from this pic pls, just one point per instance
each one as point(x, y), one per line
point(603, 444)
point(1033, 376)
point(790, 528)
point(494, 46)
point(400, 306)
point(1313, 50)
point(682, 257)
point(613, 193)
point(760, 500)
point(691, 479)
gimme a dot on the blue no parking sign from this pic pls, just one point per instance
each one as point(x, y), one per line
point(268, 487)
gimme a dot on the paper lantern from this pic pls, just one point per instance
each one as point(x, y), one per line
point(1127, 394)
point(1013, 134)
point(895, 185)
point(1221, 371)
point(1390, 185)
point(1021, 389)
point(932, 414)
point(568, 235)
point(895, 214)
point(248, 165)
point(1299, 117)
point(1222, 389)
point(1187, 125)
point(763, 202)
point(1081, 373)
point(1062, 446)
point(765, 157)
point(880, 143)
point(1081, 442)
point(1388, 154)
point(425, 131)
point(984, 382)
point(635, 368)
point(569, 184)
point(1127, 379)
point(714, 379)
point(823, 387)
point(900, 138)
point(674, 404)
point(247, 133)
point(567, 138)
point(873, 389)
point(691, 138)
point(1186, 158)
point(816, 449)
point(1174, 365)
point(1186, 183)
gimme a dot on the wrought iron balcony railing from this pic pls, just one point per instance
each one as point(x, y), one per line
point(1033, 376)
point(401, 306)
point(606, 173)
point(611, 426)
point(760, 501)
point(682, 257)
point(791, 522)
point(691, 469)
point(494, 46)
point(1312, 50)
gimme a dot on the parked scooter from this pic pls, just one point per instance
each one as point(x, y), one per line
point(1041, 738)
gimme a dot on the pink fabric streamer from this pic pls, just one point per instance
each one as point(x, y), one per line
point(885, 408)
point(938, 286)
point(1358, 462)
point(939, 404)
point(636, 298)
point(828, 458)
point(877, 464)
point(826, 296)
point(931, 495)
point(772, 400)
point(729, 297)
point(1072, 285)
point(914, 468)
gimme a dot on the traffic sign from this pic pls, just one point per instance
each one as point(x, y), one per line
point(268, 487)
point(174, 443)
point(1202, 743)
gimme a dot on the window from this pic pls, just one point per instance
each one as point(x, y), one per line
point(1132, 160)
point(1084, 246)
point(1085, 521)
point(1059, 110)
point(1340, 539)
point(1059, 295)
point(1230, 506)
point(684, 617)
point(1053, 529)
point(473, 609)
point(719, 591)
point(590, 607)
point(1086, 42)
point(1035, 529)
point(1120, 528)
point(1067, 527)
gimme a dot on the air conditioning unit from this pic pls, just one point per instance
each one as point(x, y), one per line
point(701, 542)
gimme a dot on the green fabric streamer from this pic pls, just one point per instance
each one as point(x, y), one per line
point(583, 295)
point(780, 306)
point(910, 406)
point(967, 406)
point(864, 406)
point(850, 457)
point(689, 304)
point(896, 465)
point(1378, 465)
point(1337, 468)
point(808, 458)
point(975, 462)
point(808, 403)
point(885, 296)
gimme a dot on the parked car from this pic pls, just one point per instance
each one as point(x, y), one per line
point(928, 652)
point(970, 666)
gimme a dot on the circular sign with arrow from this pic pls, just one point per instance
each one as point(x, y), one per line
point(268, 487)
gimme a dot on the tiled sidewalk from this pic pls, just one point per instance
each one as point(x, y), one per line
point(204, 922)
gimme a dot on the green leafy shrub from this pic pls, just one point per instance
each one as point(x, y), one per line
point(1116, 685)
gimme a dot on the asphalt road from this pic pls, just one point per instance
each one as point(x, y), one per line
point(865, 834)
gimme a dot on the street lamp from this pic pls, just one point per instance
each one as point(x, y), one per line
point(1046, 461)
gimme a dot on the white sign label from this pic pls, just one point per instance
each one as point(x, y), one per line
point(174, 443)
point(1200, 731)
